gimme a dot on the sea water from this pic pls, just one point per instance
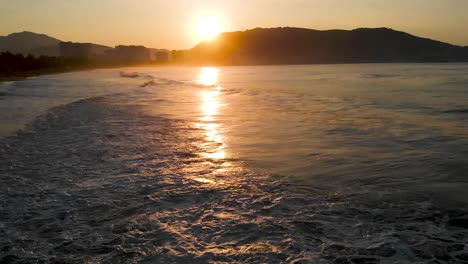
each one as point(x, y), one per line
point(314, 163)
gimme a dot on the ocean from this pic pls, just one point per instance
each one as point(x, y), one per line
point(364, 163)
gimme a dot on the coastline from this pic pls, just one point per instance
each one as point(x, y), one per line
point(24, 75)
point(18, 76)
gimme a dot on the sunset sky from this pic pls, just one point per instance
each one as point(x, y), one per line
point(173, 24)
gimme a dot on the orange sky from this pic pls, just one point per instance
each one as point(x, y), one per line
point(173, 24)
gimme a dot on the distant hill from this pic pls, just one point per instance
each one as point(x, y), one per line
point(38, 44)
point(302, 46)
point(30, 43)
point(71, 49)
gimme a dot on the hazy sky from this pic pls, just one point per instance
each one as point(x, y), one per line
point(171, 24)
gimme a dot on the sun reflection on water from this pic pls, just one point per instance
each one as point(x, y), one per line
point(210, 104)
point(208, 76)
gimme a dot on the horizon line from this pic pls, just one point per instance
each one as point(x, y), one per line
point(244, 30)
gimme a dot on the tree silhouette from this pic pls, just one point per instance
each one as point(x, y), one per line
point(18, 63)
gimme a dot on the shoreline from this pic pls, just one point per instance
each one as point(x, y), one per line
point(18, 76)
point(24, 75)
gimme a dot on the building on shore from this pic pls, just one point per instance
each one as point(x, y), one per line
point(119, 55)
point(162, 56)
point(131, 54)
point(70, 49)
point(82, 50)
point(178, 55)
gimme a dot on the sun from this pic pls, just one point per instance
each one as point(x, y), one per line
point(208, 28)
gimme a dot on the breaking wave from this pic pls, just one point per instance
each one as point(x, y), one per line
point(456, 111)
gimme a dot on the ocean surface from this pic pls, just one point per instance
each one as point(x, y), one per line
point(267, 164)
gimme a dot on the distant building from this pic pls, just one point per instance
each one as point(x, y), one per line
point(153, 54)
point(70, 49)
point(120, 54)
point(131, 53)
point(178, 55)
point(162, 56)
point(82, 50)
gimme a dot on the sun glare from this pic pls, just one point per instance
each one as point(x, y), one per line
point(208, 28)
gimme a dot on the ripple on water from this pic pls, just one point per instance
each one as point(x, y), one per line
point(99, 181)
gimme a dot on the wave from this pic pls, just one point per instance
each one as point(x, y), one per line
point(379, 76)
point(101, 181)
point(456, 111)
point(151, 80)
point(149, 83)
point(129, 74)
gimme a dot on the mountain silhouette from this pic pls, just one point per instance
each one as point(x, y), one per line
point(303, 46)
point(30, 43)
point(38, 44)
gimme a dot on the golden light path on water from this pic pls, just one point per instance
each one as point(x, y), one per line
point(210, 105)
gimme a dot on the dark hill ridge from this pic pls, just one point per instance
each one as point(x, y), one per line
point(301, 46)
point(29, 42)
point(37, 44)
